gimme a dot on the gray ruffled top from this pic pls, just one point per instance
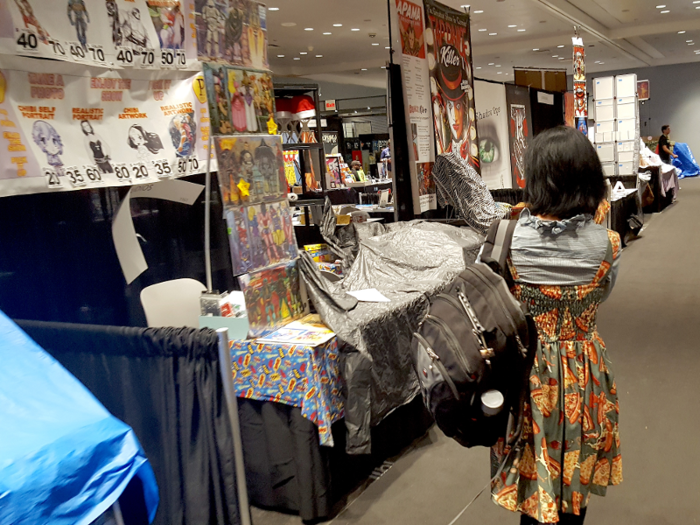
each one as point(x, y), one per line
point(563, 252)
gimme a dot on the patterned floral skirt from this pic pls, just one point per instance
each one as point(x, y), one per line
point(571, 443)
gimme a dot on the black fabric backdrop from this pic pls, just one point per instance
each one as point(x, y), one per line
point(546, 116)
point(165, 383)
point(58, 263)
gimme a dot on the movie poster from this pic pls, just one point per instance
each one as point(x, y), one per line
point(251, 169)
point(492, 126)
point(519, 130)
point(448, 41)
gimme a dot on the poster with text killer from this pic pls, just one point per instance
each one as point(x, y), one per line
point(66, 127)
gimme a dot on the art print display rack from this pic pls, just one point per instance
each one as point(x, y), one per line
point(312, 158)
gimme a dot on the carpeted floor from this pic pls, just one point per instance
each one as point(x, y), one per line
point(651, 325)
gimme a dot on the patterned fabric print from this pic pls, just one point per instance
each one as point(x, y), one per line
point(302, 376)
point(571, 442)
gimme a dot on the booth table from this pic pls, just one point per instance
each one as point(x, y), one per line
point(301, 376)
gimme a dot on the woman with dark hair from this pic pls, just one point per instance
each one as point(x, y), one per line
point(563, 266)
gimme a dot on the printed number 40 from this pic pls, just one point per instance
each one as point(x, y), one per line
point(28, 41)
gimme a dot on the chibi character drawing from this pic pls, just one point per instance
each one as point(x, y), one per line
point(79, 18)
point(214, 21)
point(265, 176)
point(250, 116)
point(144, 142)
point(133, 29)
point(238, 112)
point(96, 147)
point(172, 34)
point(233, 31)
point(29, 19)
point(113, 13)
point(49, 141)
point(183, 134)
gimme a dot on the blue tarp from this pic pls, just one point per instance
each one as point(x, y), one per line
point(64, 459)
point(685, 161)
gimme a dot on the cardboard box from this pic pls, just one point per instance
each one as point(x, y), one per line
point(604, 127)
point(604, 113)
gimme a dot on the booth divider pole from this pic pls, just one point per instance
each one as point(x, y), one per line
point(207, 220)
point(232, 403)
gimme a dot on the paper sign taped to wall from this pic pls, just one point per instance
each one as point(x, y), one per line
point(126, 243)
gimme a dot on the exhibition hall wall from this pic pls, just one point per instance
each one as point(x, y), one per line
point(675, 100)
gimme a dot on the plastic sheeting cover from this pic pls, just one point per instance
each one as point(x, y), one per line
point(685, 161)
point(407, 262)
point(64, 459)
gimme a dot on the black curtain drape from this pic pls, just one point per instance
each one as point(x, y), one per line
point(166, 384)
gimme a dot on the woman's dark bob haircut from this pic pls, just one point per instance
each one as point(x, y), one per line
point(563, 175)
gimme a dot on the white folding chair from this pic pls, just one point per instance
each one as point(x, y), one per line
point(173, 303)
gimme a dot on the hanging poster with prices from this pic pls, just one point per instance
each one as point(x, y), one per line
point(73, 32)
point(448, 41)
point(71, 127)
point(416, 84)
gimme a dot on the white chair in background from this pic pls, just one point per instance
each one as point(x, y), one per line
point(173, 303)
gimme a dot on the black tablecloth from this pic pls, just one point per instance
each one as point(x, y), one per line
point(287, 469)
point(626, 217)
point(660, 202)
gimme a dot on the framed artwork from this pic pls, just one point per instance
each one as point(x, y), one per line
point(643, 91)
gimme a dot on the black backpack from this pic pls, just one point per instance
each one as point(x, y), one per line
point(474, 350)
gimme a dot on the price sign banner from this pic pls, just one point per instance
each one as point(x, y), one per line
point(67, 127)
point(149, 34)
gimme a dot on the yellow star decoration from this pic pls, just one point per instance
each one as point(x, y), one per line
point(244, 188)
point(227, 143)
point(271, 126)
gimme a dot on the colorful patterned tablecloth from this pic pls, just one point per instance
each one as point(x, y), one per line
point(301, 376)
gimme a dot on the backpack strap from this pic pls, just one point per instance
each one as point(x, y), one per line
point(496, 249)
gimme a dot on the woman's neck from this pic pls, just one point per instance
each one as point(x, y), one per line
point(547, 217)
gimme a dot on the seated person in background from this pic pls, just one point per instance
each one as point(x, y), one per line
point(358, 173)
point(665, 145)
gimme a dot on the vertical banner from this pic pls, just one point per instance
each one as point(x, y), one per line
point(416, 85)
point(492, 127)
point(580, 98)
point(448, 40)
point(519, 130)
